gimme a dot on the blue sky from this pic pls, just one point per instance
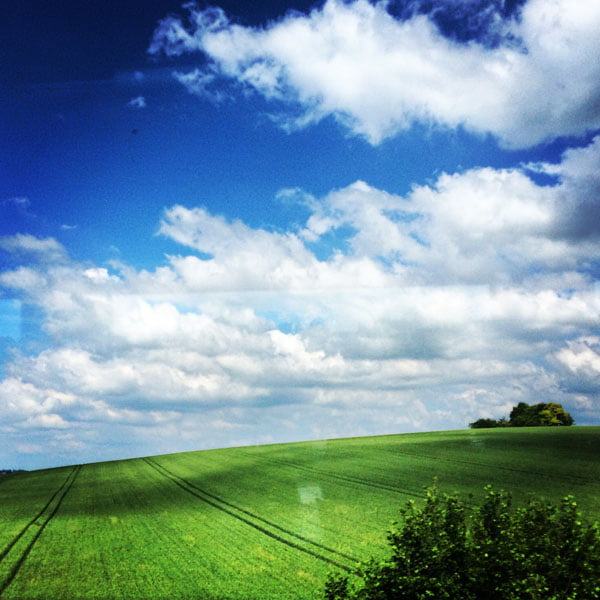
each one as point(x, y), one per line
point(249, 224)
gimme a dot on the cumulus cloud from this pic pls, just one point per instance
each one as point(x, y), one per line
point(582, 356)
point(22, 403)
point(484, 226)
point(580, 359)
point(577, 205)
point(377, 74)
point(45, 250)
point(245, 258)
point(465, 295)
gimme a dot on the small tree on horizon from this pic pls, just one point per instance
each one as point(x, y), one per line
point(484, 424)
point(542, 414)
point(526, 415)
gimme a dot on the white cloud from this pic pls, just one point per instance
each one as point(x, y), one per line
point(482, 226)
point(135, 379)
point(428, 311)
point(376, 74)
point(201, 83)
point(245, 258)
point(47, 250)
point(22, 402)
point(578, 212)
point(581, 358)
point(137, 102)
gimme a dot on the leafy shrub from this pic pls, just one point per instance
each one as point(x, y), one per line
point(451, 550)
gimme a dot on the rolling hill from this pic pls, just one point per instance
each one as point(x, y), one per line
point(263, 522)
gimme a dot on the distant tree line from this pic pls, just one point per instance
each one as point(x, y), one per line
point(10, 471)
point(526, 415)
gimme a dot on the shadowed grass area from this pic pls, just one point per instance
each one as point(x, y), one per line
point(262, 522)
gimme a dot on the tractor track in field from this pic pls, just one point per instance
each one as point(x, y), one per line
point(41, 520)
point(248, 518)
point(347, 478)
point(6, 550)
point(574, 478)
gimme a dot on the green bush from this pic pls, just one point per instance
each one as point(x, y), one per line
point(452, 550)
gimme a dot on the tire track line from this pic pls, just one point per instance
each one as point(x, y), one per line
point(65, 488)
point(574, 478)
point(259, 518)
point(229, 509)
point(40, 513)
point(346, 478)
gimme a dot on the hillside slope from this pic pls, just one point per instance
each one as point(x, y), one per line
point(264, 522)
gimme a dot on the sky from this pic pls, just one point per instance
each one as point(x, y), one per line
point(248, 223)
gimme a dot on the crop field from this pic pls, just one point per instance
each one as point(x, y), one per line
point(260, 522)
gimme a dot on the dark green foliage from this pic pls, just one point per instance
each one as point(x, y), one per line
point(522, 415)
point(450, 550)
point(525, 415)
point(484, 424)
point(551, 413)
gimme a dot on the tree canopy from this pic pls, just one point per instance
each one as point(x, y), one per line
point(526, 415)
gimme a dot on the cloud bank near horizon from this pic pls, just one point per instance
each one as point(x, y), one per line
point(528, 78)
point(380, 311)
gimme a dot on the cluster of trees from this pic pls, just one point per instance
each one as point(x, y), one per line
point(451, 550)
point(526, 415)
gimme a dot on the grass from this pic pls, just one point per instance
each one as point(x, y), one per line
point(264, 522)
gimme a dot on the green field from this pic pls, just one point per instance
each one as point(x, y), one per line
point(258, 522)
